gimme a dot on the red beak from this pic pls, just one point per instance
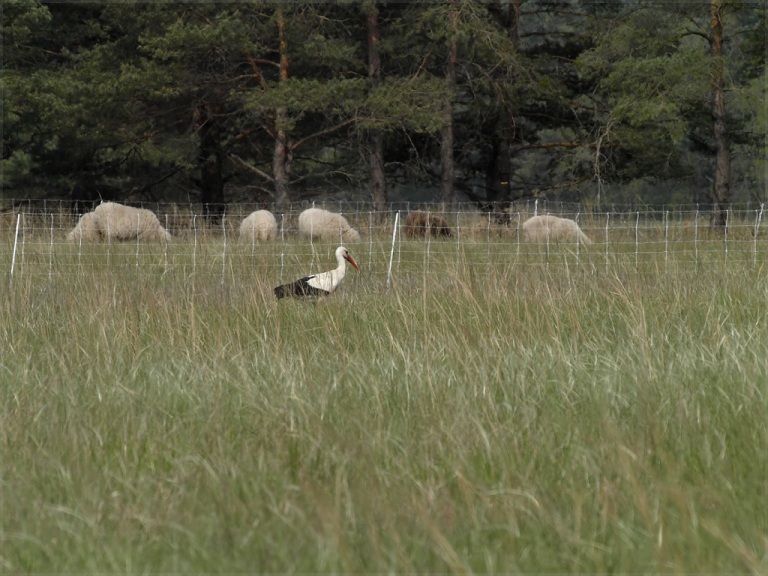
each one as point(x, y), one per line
point(349, 259)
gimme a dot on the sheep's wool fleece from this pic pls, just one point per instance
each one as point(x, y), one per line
point(419, 223)
point(86, 229)
point(259, 226)
point(119, 222)
point(325, 225)
point(554, 229)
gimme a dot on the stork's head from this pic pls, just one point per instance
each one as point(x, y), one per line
point(342, 252)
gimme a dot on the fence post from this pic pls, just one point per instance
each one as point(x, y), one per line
point(696, 238)
point(577, 239)
point(23, 241)
point(428, 236)
point(312, 237)
point(637, 240)
point(488, 255)
point(666, 240)
point(138, 235)
point(546, 222)
point(399, 244)
point(282, 246)
point(109, 240)
point(15, 245)
point(165, 248)
point(79, 252)
point(758, 218)
point(458, 240)
point(50, 254)
point(392, 249)
point(607, 220)
point(194, 244)
point(224, 253)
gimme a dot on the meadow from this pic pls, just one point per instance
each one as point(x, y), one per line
point(487, 407)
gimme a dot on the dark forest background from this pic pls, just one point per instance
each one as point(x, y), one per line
point(633, 102)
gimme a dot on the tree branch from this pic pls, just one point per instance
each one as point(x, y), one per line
point(571, 144)
point(690, 32)
point(251, 168)
point(296, 145)
point(254, 63)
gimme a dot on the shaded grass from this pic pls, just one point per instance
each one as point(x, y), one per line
point(540, 414)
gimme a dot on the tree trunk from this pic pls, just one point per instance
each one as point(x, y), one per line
point(447, 164)
point(721, 190)
point(210, 160)
point(376, 156)
point(281, 159)
point(499, 168)
point(281, 166)
point(378, 181)
point(499, 171)
point(446, 156)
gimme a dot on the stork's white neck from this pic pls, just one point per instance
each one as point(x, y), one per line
point(330, 280)
point(341, 269)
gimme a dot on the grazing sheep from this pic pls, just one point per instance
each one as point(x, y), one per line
point(554, 229)
point(86, 229)
point(118, 222)
point(421, 223)
point(259, 226)
point(324, 225)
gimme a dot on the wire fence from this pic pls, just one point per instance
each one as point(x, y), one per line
point(34, 242)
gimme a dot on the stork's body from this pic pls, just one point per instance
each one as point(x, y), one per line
point(319, 284)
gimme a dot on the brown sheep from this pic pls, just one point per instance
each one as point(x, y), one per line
point(420, 223)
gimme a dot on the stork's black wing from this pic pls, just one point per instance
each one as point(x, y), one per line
point(299, 288)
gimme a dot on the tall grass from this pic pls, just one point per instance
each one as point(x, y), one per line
point(507, 411)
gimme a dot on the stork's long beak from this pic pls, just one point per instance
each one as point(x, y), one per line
point(351, 261)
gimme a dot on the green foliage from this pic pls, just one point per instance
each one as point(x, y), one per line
point(750, 151)
point(299, 95)
point(657, 87)
point(119, 91)
point(410, 104)
point(22, 23)
point(15, 168)
point(648, 81)
point(658, 91)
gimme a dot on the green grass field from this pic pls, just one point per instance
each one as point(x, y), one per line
point(493, 411)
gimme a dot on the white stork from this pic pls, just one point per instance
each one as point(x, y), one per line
point(319, 284)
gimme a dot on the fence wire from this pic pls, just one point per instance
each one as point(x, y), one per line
point(34, 243)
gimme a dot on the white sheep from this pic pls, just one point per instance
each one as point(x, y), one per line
point(86, 229)
point(258, 226)
point(118, 222)
point(324, 225)
point(553, 229)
